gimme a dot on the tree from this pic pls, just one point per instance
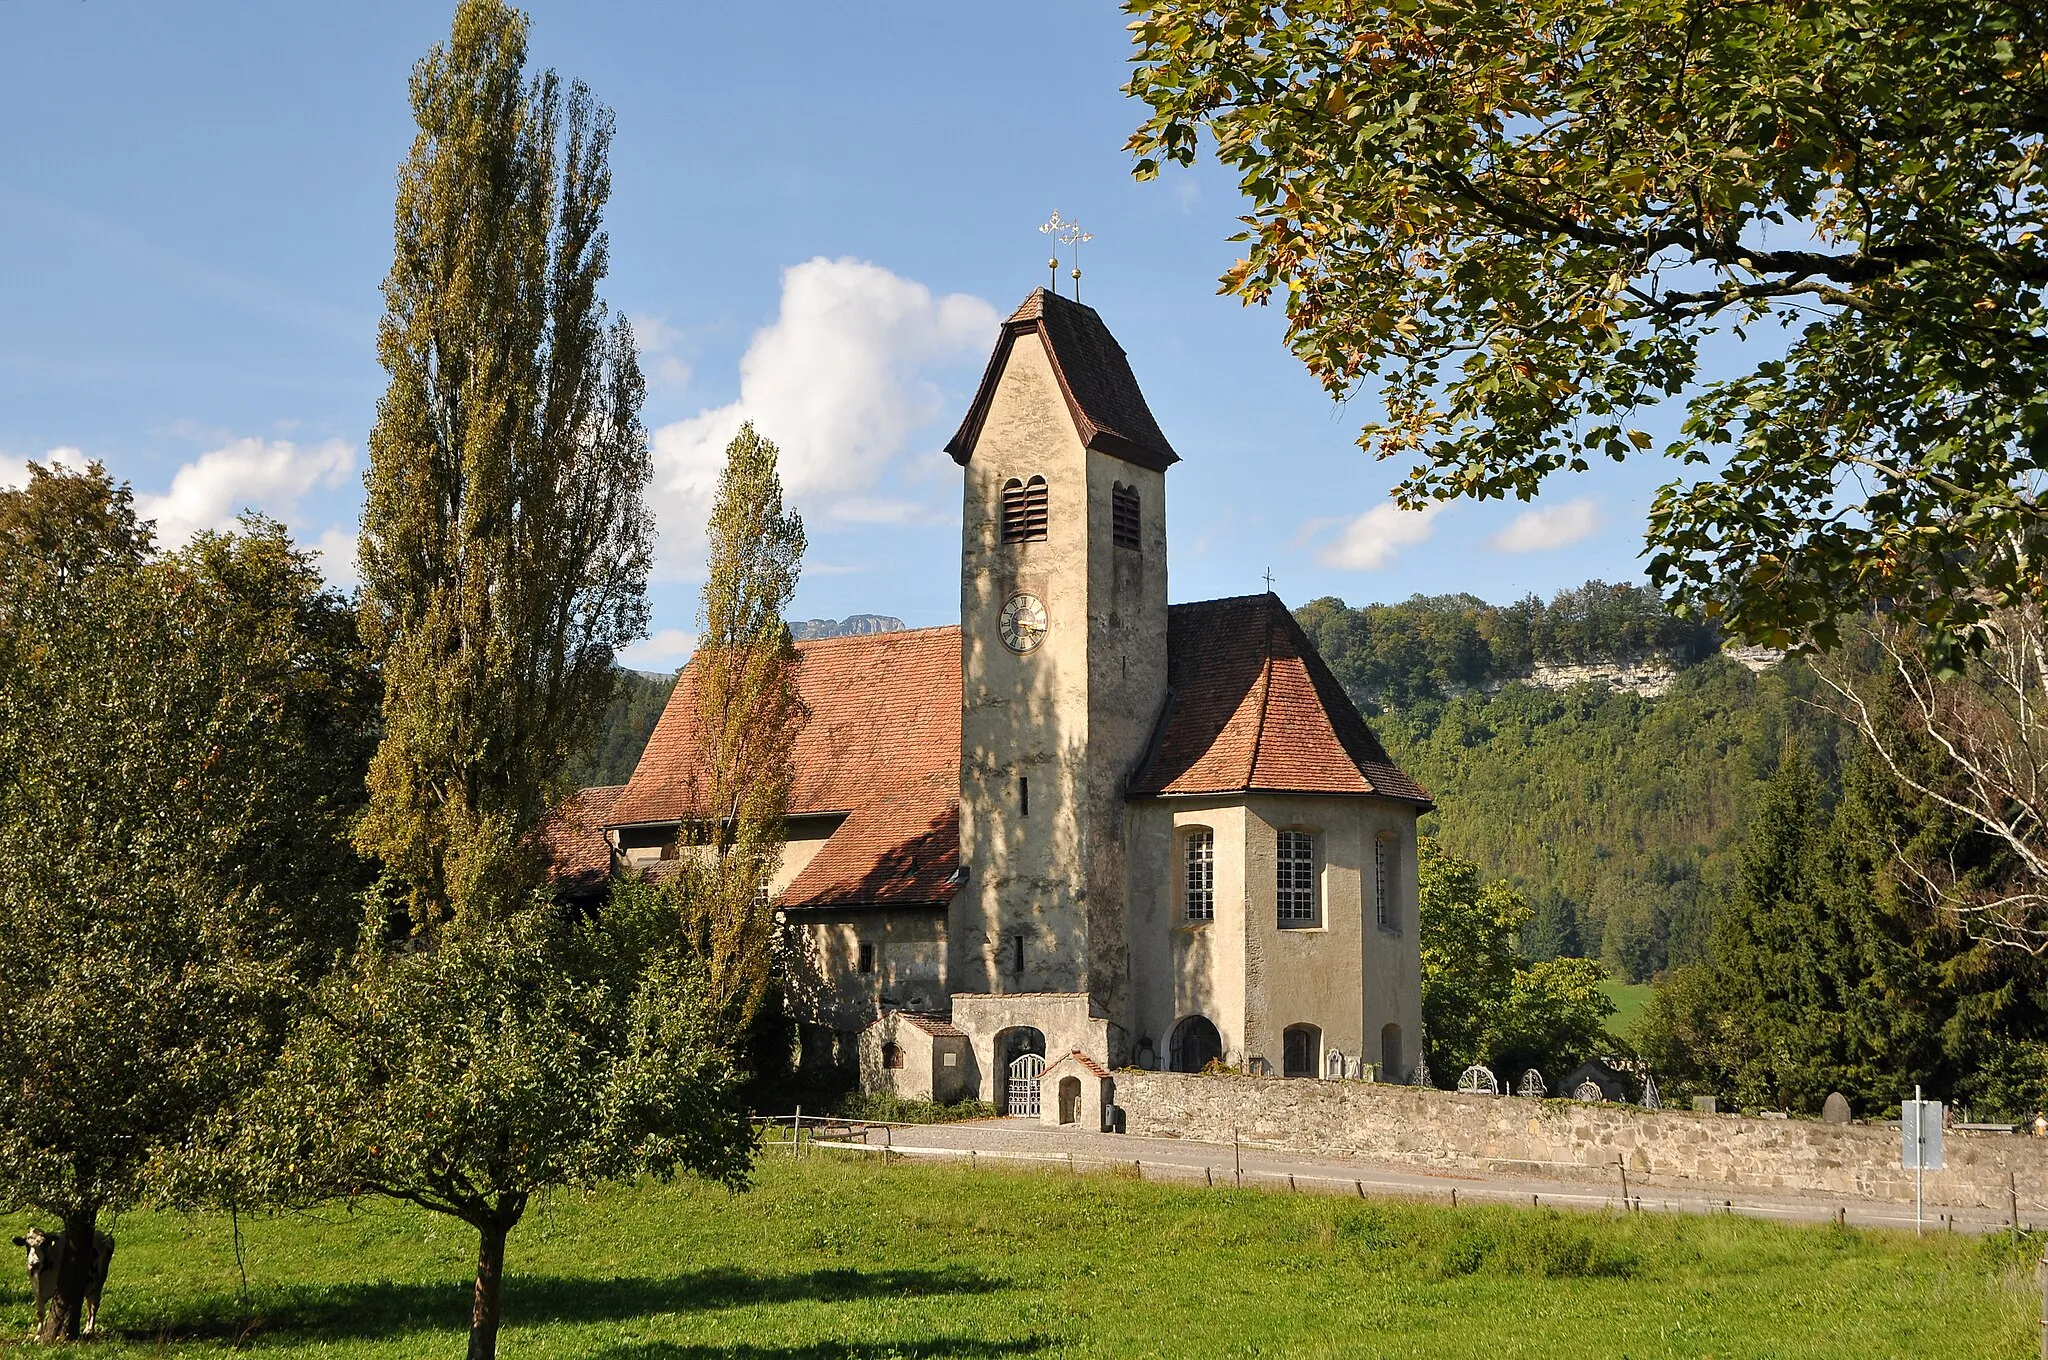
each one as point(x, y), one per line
point(1525, 220)
point(1834, 968)
point(505, 545)
point(1976, 745)
point(748, 712)
point(1480, 1002)
point(483, 1044)
point(182, 747)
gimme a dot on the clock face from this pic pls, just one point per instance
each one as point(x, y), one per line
point(1023, 623)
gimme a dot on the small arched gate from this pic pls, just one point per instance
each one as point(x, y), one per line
point(1023, 1084)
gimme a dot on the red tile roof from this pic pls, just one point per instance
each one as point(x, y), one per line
point(938, 1026)
point(579, 857)
point(1086, 1063)
point(882, 745)
point(1101, 391)
point(1252, 708)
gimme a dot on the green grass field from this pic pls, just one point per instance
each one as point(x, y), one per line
point(1629, 998)
point(828, 1260)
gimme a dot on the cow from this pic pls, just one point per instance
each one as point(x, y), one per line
point(46, 1258)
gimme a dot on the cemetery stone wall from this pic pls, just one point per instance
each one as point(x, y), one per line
point(1575, 1140)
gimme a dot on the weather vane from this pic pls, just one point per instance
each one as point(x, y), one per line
point(1070, 235)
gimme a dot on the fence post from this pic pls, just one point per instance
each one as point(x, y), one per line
point(1623, 1166)
point(1236, 1157)
point(796, 1133)
point(2012, 1187)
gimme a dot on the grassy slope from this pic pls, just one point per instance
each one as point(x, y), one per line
point(824, 1260)
point(1629, 998)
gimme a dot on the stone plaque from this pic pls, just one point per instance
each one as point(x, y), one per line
point(1706, 1105)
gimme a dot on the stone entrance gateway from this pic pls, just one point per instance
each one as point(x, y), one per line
point(1023, 1085)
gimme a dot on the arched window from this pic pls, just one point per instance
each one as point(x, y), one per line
point(1299, 1044)
point(1024, 510)
point(1195, 1044)
point(1123, 516)
point(1296, 872)
point(892, 1055)
point(1198, 857)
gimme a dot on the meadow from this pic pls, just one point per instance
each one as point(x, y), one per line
point(824, 1259)
point(1629, 998)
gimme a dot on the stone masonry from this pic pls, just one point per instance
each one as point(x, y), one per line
point(1570, 1139)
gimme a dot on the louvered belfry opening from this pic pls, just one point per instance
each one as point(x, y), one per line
point(1123, 515)
point(1024, 514)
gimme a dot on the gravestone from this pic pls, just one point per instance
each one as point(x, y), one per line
point(1532, 1084)
point(1836, 1110)
point(1706, 1104)
point(1477, 1080)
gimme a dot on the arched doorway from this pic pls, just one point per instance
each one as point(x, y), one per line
point(1020, 1061)
point(1391, 1068)
point(1195, 1044)
point(1301, 1045)
point(1070, 1100)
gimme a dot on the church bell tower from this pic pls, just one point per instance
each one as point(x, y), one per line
point(1063, 659)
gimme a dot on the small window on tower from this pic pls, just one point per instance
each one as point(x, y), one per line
point(1297, 879)
point(1123, 515)
point(1201, 874)
point(1024, 510)
point(1017, 955)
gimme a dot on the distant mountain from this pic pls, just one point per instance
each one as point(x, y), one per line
point(853, 625)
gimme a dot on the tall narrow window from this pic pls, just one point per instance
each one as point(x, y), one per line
point(1123, 515)
point(1297, 878)
point(1024, 797)
point(1382, 851)
point(1017, 955)
point(867, 958)
point(1201, 875)
point(1024, 510)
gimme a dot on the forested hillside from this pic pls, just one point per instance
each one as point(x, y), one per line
point(1619, 816)
point(635, 708)
point(1435, 646)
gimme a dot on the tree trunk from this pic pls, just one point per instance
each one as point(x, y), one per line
point(74, 1275)
point(490, 1281)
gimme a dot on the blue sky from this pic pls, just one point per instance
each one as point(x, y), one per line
point(818, 214)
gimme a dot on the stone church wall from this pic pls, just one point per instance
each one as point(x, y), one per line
point(1667, 1149)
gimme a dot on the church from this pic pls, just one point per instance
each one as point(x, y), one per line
point(1085, 828)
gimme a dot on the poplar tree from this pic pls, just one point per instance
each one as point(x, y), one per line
point(485, 1044)
point(748, 713)
point(505, 545)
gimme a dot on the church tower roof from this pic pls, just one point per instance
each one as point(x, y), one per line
point(1101, 391)
point(1252, 708)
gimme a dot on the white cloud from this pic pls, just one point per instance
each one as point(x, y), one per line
point(666, 650)
point(336, 550)
point(14, 471)
point(1375, 538)
point(1538, 529)
point(838, 382)
point(246, 474)
point(654, 338)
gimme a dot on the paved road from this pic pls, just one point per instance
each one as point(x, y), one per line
point(1219, 1164)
